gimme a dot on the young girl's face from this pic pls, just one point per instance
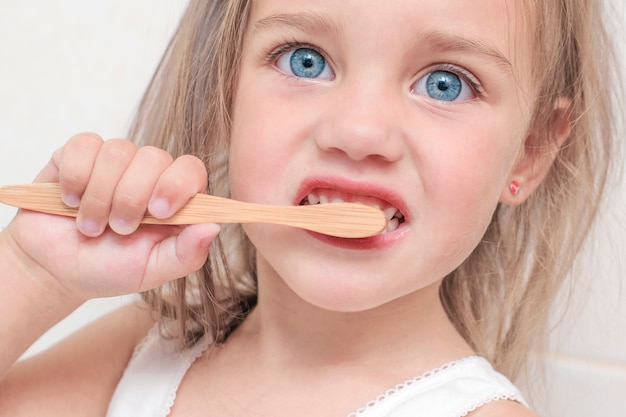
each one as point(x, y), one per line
point(417, 107)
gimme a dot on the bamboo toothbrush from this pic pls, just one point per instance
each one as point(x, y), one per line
point(348, 220)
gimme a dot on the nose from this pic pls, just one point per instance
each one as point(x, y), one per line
point(364, 121)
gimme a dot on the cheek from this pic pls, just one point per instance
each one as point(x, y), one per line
point(257, 155)
point(472, 168)
point(247, 147)
point(464, 178)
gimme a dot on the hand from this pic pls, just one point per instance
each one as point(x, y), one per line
point(105, 251)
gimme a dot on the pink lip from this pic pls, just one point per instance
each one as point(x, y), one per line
point(357, 188)
point(369, 243)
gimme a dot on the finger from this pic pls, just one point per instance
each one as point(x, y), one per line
point(75, 162)
point(133, 192)
point(186, 177)
point(112, 160)
point(179, 256)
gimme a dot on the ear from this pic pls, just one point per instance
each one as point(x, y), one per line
point(537, 155)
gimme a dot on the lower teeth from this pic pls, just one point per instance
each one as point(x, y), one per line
point(392, 225)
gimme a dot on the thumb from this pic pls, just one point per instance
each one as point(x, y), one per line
point(179, 255)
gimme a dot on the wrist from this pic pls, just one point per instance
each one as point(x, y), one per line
point(29, 277)
point(31, 301)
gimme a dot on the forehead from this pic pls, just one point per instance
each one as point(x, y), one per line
point(489, 15)
point(492, 27)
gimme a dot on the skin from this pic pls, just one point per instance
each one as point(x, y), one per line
point(328, 312)
point(446, 163)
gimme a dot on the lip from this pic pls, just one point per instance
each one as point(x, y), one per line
point(357, 188)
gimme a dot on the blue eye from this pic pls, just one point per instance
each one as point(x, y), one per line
point(444, 86)
point(305, 63)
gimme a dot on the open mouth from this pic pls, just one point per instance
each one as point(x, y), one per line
point(322, 196)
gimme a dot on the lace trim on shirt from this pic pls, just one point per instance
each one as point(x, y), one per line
point(479, 403)
point(190, 357)
point(406, 384)
point(153, 333)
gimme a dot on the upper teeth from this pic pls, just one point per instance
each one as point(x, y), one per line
point(393, 215)
point(390, 212)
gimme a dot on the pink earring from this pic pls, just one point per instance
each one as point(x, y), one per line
point(514, 187)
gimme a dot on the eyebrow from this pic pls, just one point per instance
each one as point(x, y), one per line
point(438, 41)
point(443, 42)
point(305, 22)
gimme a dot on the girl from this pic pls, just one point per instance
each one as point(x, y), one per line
point(482, 130)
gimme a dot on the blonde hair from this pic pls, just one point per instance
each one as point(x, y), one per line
point(525, 255)
point(500, 297)
point(186, 110)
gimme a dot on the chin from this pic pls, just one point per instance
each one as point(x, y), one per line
point(348, 291)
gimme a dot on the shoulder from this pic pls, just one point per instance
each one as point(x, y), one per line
point(503, 409)
point(78, 375)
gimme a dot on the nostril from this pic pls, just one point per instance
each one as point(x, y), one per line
point(361, 141)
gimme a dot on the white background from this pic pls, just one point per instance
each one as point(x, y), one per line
point(69, 66)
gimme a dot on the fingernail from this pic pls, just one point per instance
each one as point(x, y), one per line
point(159, 208)
point(71, 200)
point(121, 226)
point(89, 227)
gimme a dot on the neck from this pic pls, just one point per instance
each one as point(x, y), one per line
point(288, 331)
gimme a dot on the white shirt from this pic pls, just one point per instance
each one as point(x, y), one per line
point(149, 384)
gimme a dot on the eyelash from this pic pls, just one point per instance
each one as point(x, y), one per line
point(273, 54)
point(463, 73)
